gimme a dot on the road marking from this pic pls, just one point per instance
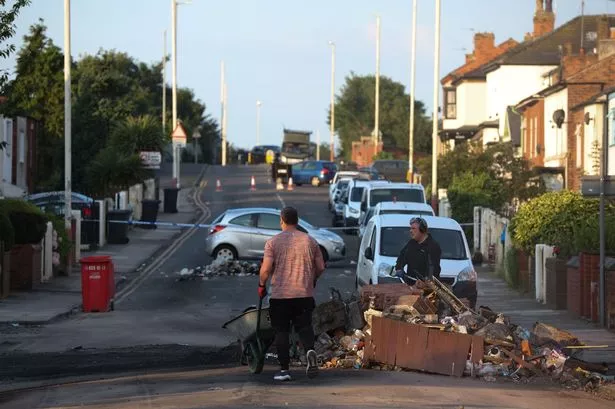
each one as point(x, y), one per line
point(168, 253)
point(280, 199)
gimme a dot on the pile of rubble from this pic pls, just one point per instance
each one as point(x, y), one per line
point(219, 269)
point(426, 328)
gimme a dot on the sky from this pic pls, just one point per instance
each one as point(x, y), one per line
point(277, 51)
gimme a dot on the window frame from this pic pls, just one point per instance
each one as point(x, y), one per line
point(447, 104)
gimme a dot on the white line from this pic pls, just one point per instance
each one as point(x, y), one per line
point(280, 199)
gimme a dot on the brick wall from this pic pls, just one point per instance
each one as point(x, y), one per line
point(363, 151)
point(544, 22)
point(534, 118)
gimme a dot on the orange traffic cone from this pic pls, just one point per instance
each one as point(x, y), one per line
point(218, 186)
point(252, 183)
point(290, 184)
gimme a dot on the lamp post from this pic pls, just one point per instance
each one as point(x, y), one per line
point(332, 121)
point(434, 135)
point(377, 102)
point(412, 88)
point(258, 122)
point(67, 117)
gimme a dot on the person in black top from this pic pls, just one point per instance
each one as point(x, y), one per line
point(421, 254)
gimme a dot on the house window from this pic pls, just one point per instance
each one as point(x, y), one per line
point(612, 130)
point(450, 103)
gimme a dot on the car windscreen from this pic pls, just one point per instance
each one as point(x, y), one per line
point(355, 194)
point(396, 195)
point(393, 239)
point(417, 212)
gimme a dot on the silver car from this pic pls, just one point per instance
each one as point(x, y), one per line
point(242, 234)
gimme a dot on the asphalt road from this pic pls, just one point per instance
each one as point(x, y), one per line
point(184, 316)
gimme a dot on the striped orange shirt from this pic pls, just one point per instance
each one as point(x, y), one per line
point(294, 255)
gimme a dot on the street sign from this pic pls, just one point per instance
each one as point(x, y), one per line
point(179, 136)
point(151, 159)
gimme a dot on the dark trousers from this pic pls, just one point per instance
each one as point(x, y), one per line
point(295, 311)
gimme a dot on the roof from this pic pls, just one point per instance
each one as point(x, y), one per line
point(595, 99)
point(546, 49)
point(433, 222)
point(403, 206)
point(397, 186)
point(476, 74)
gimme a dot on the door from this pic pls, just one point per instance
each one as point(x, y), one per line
point(363, 270)
point(297, 171)
point(267, 226)
point(309, 170)
point(243, 229)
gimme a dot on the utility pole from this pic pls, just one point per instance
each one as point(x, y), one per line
point(332, 121)
point(412, 88)
point(223, 113)
point(434, 135)
point(67, 118)
point(258, 122)
point(377, 113)
point(176, 156)
point(318, 145)
point(225, 127)
point(164, 84)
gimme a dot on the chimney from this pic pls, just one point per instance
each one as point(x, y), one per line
point(484, 44)
point(544, 18)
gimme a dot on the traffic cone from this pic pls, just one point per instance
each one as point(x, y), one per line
point(252, 183)
point(290, 184)
point(218, 186)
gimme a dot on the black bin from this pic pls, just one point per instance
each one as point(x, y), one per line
point(118, 232)
point(149, 213)
point(170, 199)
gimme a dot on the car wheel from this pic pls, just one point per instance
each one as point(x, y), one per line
point(315, 181)
point(325, 256)
point(224, 253)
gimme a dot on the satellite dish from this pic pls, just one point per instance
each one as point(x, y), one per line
point(558, 117)
point(587, 118)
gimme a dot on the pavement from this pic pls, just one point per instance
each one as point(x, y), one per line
point(157, 315)
point(61, 296)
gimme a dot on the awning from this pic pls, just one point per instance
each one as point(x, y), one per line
point(460, 134)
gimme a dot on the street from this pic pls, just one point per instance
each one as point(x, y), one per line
point(161, 322)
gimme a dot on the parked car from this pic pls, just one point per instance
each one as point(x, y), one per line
point(242, 234)
point(314, 172)
point(352, 204)
point(393, 170)
point(344, 174)
point(371, 173)
point(54, 203)
point(406, 208)
point(386, 235)
point(391, 192)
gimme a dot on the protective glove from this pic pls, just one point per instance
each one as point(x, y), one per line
point(399, 273)
point(262, 292)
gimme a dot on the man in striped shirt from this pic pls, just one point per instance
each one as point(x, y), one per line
point(294, 262)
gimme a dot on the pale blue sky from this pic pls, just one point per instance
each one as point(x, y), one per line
point(277, 51)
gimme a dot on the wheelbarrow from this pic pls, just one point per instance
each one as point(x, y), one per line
point(255, 333)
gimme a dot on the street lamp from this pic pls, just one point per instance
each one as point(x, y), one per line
point(412, 88)
point(434, 134)
point(377, 104)
point(258, 122)
point(332, 121)
point(196, 135)
point(67, 118)
point(176, 150)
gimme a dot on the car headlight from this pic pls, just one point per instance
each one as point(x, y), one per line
point(467, 274)
point(384, 270)
point(354, 211)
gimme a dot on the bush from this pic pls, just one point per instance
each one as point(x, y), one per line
point(112, 171)
point(512, 267)
point(30, 221)
point(7, 233)
point(564, 219)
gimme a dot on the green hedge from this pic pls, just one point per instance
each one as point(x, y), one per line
point(564, 219)
point(7, 233)
point(28, 221)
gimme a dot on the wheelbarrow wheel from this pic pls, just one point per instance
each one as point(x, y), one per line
point(256, 360)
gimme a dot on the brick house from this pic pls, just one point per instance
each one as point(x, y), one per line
point(557, 131)
point(363, 151)
point(18, 158)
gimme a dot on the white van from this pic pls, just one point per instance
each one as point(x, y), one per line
point(386, 235)
point(352, 204)
point(406, 208)
point(391, 192)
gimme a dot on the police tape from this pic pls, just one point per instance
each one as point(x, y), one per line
point(191, 225)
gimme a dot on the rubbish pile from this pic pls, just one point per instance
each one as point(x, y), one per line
point(219, 269)
point(426, 328)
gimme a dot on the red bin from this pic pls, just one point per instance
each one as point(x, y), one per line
point(97, 283)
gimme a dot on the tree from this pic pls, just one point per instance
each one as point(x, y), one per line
point(138, 133)
point(516, 180)
point(7, 31)
point(38, 92)
point(354, 114)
